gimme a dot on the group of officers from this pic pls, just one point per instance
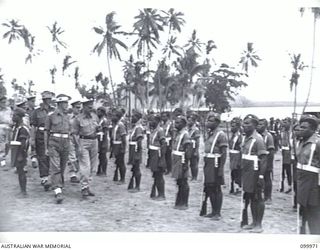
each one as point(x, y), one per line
point(79, 140)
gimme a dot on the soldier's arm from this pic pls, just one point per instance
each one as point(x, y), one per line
point(263, 164)
point(47, 133)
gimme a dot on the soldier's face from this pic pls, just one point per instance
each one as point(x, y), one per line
point(261, 126)
point(88, 107)
point(212, 123)
point(76, 109)
point(234, 127)
point(134, 119)
point(153, 123)
point(248, 126)
point(306, 130)
point(297, 132)
point(164, 117)
point(190, 122)
point(179, 123)
point(16, 118)
point(32, 103)
point(286, 125)
point(63, 106)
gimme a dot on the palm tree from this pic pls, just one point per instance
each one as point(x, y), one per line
point(56, 31)
point(110, 42)
point(66, 63)
point(148, 25)
point(194, 42)
point(298, 66)
point(316, 15)
point(249, 58)
point(174, 20)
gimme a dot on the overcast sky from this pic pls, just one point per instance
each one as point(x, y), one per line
point(275, 30)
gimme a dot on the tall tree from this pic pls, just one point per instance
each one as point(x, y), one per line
point(249, 58)
point(56, 32)
point(110, 42)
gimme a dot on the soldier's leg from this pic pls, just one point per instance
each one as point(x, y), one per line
point(282, 178)
point(84, 165)
point(103, 160)
point(22, 176)
point(137, 175)
point(154, 185)
point(218, 198)
point(64, 155)
point(178, 202)
point(185, 192)
point(233, 176)
point(268, 186)
point(73, 166)
point(122, 167)
point(93, 161)
point(258, 200)
point(289, 176)
point(161, 185)
point(168, 160)
point(194, 162)
point(313, 219)
point(210, 194)
point(42, 159)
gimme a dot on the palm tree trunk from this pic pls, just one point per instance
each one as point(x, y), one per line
point(111, 82)
point(295, 101)
point(312, 62)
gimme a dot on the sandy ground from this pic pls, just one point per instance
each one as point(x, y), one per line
point(114, 209)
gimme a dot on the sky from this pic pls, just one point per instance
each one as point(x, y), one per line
point(276, 31)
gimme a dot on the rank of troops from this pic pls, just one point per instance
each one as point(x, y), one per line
point(78, 140)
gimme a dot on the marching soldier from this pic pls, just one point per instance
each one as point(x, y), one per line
point(285, 144)
point(38, 123)
point(194, 134)
point(118, 138)
point(22, 103)
point(135, 151)
point(19, 147)
point(215, 149)
point(181, 155)
point(58, 128)
point(308, 173)
point(253, 167)
point(235, 155)
point(85, 128)
point(268, 140)
point(73, 162)
point(102, 141)
point(157, 160)
point(168, 133)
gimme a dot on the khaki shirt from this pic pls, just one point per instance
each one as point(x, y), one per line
point(85, 125)
point(58, 122)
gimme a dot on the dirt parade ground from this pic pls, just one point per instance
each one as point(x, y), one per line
point(114, 209)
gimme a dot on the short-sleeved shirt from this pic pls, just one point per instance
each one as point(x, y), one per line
point(39, 116)
point(154, 161)
point(221, 141)
point(58, 122)
point(235, 150)
point(307, 182)
point(184, 140)
point(118, 132)
point(156, 136)
point(136, 133)
point(168, 132)
point(286, 147)
point(268, 140)
point(20, 134)
point(194, 134)
point(86, 125)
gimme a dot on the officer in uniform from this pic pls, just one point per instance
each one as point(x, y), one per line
point(19, 147)
point(308, 172)
point(235, 155)
point(118, 138)
point(181, 155)
point(286, 147)
point(194, 134)
point(135, 151)
point(31, 103)
point(253, 167)
point(37, 121)
point(168, 133)
point(156, 157)
point(85, 128)
point(22, 103)
point(57, 130)
point(268, 140)
point(215, 153)
point(73, 162)
point(102, 141)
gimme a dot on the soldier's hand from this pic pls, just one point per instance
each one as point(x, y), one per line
point(184, 167)
point(260, 183)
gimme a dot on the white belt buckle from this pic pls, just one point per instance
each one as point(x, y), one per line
point(3, 163)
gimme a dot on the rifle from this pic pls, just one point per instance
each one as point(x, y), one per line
point(204, 199)
point(244, 211)
point(130, 186)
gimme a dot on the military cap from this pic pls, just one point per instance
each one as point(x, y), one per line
point(47, 95)
point(252, 118)
point(310, 119)
point(264, 120)
point(216, 116)
point(29, 97)
point(192, 116)
point(103, 109)
point(182, 117)
point(20, 101)
point(19, 111)
point(178, 110)
point(154, 116)
point(75, 102)
point(137, 114)
point(86, 100)
point(236, 120)
point(287, 119)
point(62, 98)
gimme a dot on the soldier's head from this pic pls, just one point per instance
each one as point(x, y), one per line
point(31, 101)
point(235, 124)
point(18, 114)
point(21, 103)
point(47, 97)
point(62, 102)
point(177, 112)
point(76, 107)
point(262, 125)
point(116, 116)
point(250, 123)
point(308, 126)
point(136, 116)
point(165, 116)
point(180, 122)
point(213, 121)
point(101, 111)
point(154, 120)
point(191, 118)
point(286, 123)
point(87, 105)
point(296, 130)
point(3, 102)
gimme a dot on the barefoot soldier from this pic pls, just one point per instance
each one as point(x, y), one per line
point(135, 151)
point(157, 160)
point(235, 155)
point(215, 153)
point(181, 154)
point(268, 140)
point(19, 147)
point(57, 130)
point(308, 173)
point(253, 167)
point(194, 134)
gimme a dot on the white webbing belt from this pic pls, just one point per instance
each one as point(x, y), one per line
point(250, 157)
point(154, 147)
point(308, 168)
point(57, 135)
point(15, 143)
point(233, 151)
point(285, 148)
point(117, 142)
point(211, 154)
point(179, 153)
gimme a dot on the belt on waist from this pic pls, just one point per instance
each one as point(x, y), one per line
point(211, 155)
point(117, 142)
point(285, 148)
point(233, 151)
point(250, 157)
point(15, 143)
point(41, 128)
point(88, 137)
point(154, 147)
point(272, 131)
point(133, 143)
point(308, 168)
point(58, 135)
point(180, 153)
point(168, 139)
